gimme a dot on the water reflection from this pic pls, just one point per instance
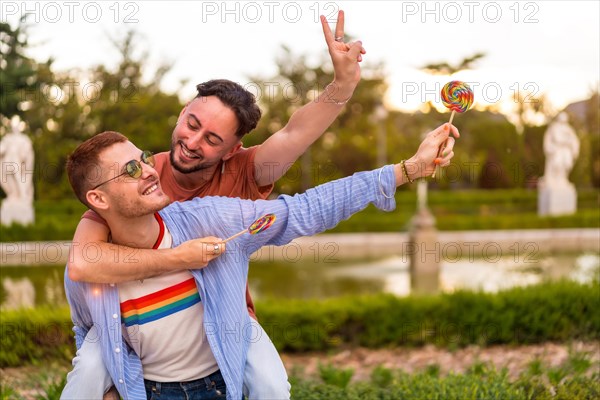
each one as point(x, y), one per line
point(34, 286)
point(28, 287)
point(19, 293)
point(477, 274)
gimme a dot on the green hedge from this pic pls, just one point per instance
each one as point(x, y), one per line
point(560, 311)
point(54, 220)
point(550, 312)
point(34, 335)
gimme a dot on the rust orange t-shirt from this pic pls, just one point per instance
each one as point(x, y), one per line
point(235, 179)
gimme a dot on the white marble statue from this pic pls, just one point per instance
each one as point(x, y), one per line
point(557, 196)
point(16, 164)
point(561, 147)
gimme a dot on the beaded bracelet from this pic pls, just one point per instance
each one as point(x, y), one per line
point(405, 172)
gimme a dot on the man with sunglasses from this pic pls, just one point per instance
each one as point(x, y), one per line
point(186, 333)
point(206, 159)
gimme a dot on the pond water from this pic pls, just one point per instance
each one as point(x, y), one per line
point(34, 286)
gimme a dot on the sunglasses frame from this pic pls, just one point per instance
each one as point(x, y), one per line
point(146, 157)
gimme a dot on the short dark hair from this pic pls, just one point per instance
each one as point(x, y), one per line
point(83, 164)
point(233, 95)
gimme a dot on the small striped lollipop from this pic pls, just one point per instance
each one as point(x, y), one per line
point(257, 226)
point(457, 96)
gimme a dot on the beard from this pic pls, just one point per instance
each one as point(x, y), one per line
point(183, 169)
point(134, 208)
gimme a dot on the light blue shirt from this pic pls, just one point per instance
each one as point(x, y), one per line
point(222, 283)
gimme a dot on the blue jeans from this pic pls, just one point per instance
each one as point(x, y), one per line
point(265, 377)
point(210, 387)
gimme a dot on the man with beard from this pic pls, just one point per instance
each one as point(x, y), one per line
point(184, 334)
point(207, 159)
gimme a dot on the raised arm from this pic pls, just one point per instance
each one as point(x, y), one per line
point(93, 259)
point(324, 206)
point(307, 124)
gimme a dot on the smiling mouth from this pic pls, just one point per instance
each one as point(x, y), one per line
point(186, 152)
point(151, 189)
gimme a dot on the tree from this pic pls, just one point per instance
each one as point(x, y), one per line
point(61, 111)
point(47, 102)
point(348, 145)
point(17, 71)
point(443, 68)
point(125, 103)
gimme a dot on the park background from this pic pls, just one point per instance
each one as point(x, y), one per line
point(131, 66)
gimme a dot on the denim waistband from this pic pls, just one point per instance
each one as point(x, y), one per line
point(207, 380)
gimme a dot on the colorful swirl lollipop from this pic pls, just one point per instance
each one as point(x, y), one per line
point(257, 226)
point(261, 224)
point(457, 96)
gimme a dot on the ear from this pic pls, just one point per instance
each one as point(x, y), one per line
point(232, 151)
point(97, 199)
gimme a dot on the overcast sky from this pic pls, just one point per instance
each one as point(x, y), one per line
point(540, 47)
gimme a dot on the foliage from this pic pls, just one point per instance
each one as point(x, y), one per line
point(352, 133)
point(55, 220)
point(339, 377)
point(7, 393)
point(381, 376)
point(53, 390)
point(62, 109)
point(482, 382)
point(561, 312)
point(444, 68)
point(17, 71)
point(33, 336)
point(127, 104)
point(453, 210)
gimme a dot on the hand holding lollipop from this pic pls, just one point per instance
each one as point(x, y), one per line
point(257, 226)
point(458, 97)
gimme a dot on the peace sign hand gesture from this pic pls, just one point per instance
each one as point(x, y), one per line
point(345, 57)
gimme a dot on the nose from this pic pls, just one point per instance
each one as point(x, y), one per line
point(148, 172)
point(195, 141)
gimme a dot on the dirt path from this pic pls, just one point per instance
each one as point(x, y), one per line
point(32, 380)
point(516, 359)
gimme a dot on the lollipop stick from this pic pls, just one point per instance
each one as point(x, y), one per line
point(443, 146)
point(236, 235)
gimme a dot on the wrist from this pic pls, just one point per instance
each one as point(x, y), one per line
point(413, 169)
point(339, 92)
point(179, 257)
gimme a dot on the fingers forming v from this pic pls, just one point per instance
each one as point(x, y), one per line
point(339, 26)
point(339, 29)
